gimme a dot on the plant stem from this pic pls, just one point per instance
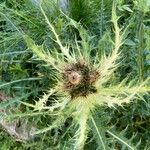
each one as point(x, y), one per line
point(140, 48)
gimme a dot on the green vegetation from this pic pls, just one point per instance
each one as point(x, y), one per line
point(75, 77)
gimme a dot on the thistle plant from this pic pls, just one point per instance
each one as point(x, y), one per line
point(84, 82)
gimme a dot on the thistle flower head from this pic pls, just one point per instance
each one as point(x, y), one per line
point(79, 79)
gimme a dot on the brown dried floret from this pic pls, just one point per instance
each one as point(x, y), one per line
point(79, 79)
point(74, 78)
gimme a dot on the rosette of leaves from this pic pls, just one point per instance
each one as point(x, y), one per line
point(84, 82)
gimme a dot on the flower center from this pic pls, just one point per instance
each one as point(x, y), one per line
point(79, 79)
point(74, 78)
